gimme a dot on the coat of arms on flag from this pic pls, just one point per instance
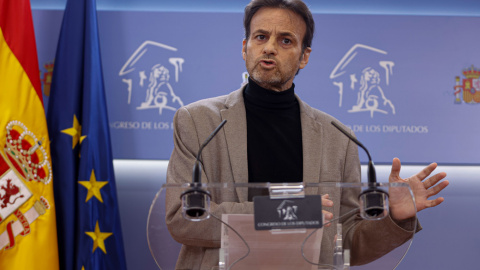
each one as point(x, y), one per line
point(23, 162)
point(468, 90)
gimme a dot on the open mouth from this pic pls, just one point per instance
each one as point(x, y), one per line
point(268, 62)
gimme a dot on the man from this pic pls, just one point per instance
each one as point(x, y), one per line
point(273, 136)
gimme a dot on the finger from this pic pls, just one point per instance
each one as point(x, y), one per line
point(433, 203)
point(327, 215)
point(327, 218)
point(430, 182)
point(436, 189)
point(395, 172)
point(425, 172)
point(327, 203)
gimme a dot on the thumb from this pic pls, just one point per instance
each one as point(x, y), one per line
point(395, 173)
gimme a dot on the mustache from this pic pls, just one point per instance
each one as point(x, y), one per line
point(267, 57)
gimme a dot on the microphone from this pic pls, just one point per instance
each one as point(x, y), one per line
point(373, 201)
point(196, 200)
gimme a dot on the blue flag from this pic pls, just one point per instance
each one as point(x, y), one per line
point(88, 221)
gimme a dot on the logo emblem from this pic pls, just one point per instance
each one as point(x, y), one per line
point(150, 74)
point(23, 163)
point(366, 72)
point(469, 90)
point(46, 79)
point(287, 210)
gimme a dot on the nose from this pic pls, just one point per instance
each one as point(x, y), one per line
point(270, 47)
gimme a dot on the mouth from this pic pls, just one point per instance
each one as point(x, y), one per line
point(268, 62)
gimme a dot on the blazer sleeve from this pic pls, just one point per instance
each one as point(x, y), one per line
point(368, 240)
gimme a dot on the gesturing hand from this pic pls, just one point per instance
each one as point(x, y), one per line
point(422, 187)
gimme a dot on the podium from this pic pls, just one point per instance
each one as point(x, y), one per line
point(281, 226)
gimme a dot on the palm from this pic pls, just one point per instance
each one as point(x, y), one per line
point(422, 188)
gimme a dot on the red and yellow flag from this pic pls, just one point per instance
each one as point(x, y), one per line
point(28, 238)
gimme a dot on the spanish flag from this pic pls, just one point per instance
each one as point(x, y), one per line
point(28, 237)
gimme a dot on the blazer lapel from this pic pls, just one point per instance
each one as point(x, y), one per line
point(236, 137)
point(312, 132)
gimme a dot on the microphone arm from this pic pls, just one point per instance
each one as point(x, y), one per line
point(197, 167)
point(373, 201)
point(196, 201)
point(372, 175)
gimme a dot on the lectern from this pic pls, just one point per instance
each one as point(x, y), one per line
point(283, 226)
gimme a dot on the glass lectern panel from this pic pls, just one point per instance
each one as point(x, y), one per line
point(281, 226)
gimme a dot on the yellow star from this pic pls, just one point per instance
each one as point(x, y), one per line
point(98, 238)
point(75, 132)
point(93, 187)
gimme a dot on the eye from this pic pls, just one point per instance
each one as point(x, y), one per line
point(260, 37)
point(286, 41)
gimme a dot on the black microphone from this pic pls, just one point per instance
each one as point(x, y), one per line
point(373, 201)
point(196, 200)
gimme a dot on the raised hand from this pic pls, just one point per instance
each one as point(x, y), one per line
point(423, 187)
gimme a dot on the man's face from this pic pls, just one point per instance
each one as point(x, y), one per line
point(273, 51)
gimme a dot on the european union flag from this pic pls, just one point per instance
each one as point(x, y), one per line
point(89, 231)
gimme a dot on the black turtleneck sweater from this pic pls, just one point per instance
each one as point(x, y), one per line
point(274, 135)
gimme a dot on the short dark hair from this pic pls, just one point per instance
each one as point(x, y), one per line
point(296, 6)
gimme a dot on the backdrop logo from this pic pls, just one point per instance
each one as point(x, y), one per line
point(362, 77)
point(149, 74)
point(469, 90)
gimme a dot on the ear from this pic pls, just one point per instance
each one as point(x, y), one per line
point(244, 49)
point(305, 57)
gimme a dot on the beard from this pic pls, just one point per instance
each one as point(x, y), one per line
point(275, 78)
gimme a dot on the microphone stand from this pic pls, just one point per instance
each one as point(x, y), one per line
point(373, 201)
point(196, 200)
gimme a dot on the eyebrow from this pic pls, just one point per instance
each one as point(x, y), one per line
point(288, 34)
point(261, 31)
point(283, 34)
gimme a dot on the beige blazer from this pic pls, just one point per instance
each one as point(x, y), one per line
point(328, 156)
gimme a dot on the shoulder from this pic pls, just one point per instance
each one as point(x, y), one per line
point(206, 113)
point(214, 105)
point(210, 104)
point(215, 102)
point(199, 114)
